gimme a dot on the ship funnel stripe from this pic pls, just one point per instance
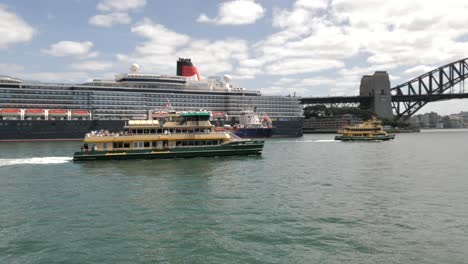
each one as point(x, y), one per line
point(185, 68)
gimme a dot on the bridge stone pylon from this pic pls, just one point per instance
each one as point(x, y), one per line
point(378, 87)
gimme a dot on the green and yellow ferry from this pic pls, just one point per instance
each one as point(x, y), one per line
point(181, 135)
point(370, 130)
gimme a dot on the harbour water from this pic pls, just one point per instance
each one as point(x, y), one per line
point(306, 200)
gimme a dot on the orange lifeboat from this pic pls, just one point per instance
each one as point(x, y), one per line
point(34, 112)
point(221, 115)
point(58, 112)
point(10, 111)
point(80, 113)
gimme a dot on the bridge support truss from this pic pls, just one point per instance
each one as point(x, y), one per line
point(438, 84)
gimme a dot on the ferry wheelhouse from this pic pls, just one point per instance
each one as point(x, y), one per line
point(370, 130)
point(179, 135)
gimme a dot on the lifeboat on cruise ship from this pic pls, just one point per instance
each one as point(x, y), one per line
point(220, 115)
point(34, 112)
point(80, 113)
point(58, 112)
point(10, 112)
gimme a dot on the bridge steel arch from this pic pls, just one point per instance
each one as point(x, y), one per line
point(438, 84)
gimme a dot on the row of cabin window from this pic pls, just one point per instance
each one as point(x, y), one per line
point(164, 143)
point(184, 143)
point(139, 144)
point(164, 131)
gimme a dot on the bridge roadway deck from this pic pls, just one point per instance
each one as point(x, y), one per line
point(395, 98)
point(335, 99)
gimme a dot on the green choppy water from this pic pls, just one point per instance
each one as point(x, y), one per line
point(307, 200)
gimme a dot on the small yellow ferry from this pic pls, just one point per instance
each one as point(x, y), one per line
point(370, 130)
point(180, 135)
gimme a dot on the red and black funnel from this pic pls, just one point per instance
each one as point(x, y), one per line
point(185, 68)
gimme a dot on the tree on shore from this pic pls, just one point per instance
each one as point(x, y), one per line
point(322, 111)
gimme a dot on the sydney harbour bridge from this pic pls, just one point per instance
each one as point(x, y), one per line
point(404, 100)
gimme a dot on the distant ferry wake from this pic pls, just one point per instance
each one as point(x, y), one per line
point(36, 160)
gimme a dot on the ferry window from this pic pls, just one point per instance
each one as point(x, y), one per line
point(208, 142)
point(178, 143)
point(146, 131)
point(147, 145)
point(153, 131)
point(104, 145)
point(165, 143)
point(126, 145)
point(159, 131)
point(139, 131)
point(135, 144)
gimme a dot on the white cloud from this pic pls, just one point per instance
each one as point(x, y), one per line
point(10, 69)
point(120, 5)
point(108, 20)
point(301, 65)
point(418, 70)
point(244, 73)
point(237, 12)
point(312, 4)
point(393, 78)
point(357, 71)
point(214, 57)
point(13, 29)
point(159, 35)
point(56, 76)
point(118, 12)
point(403, 32)
point(71, 48)
point(304, 86)
point(162, 46)
point(92, 65)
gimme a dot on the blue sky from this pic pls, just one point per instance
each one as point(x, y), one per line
point(311, 47)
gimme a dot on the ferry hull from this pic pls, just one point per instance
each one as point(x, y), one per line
point(360, 138)
point(238, 148)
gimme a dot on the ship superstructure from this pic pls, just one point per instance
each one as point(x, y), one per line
point(134, 96)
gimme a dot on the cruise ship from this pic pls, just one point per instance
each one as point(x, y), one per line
point(33, 111)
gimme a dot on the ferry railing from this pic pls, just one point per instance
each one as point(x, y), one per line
point(123, 134)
